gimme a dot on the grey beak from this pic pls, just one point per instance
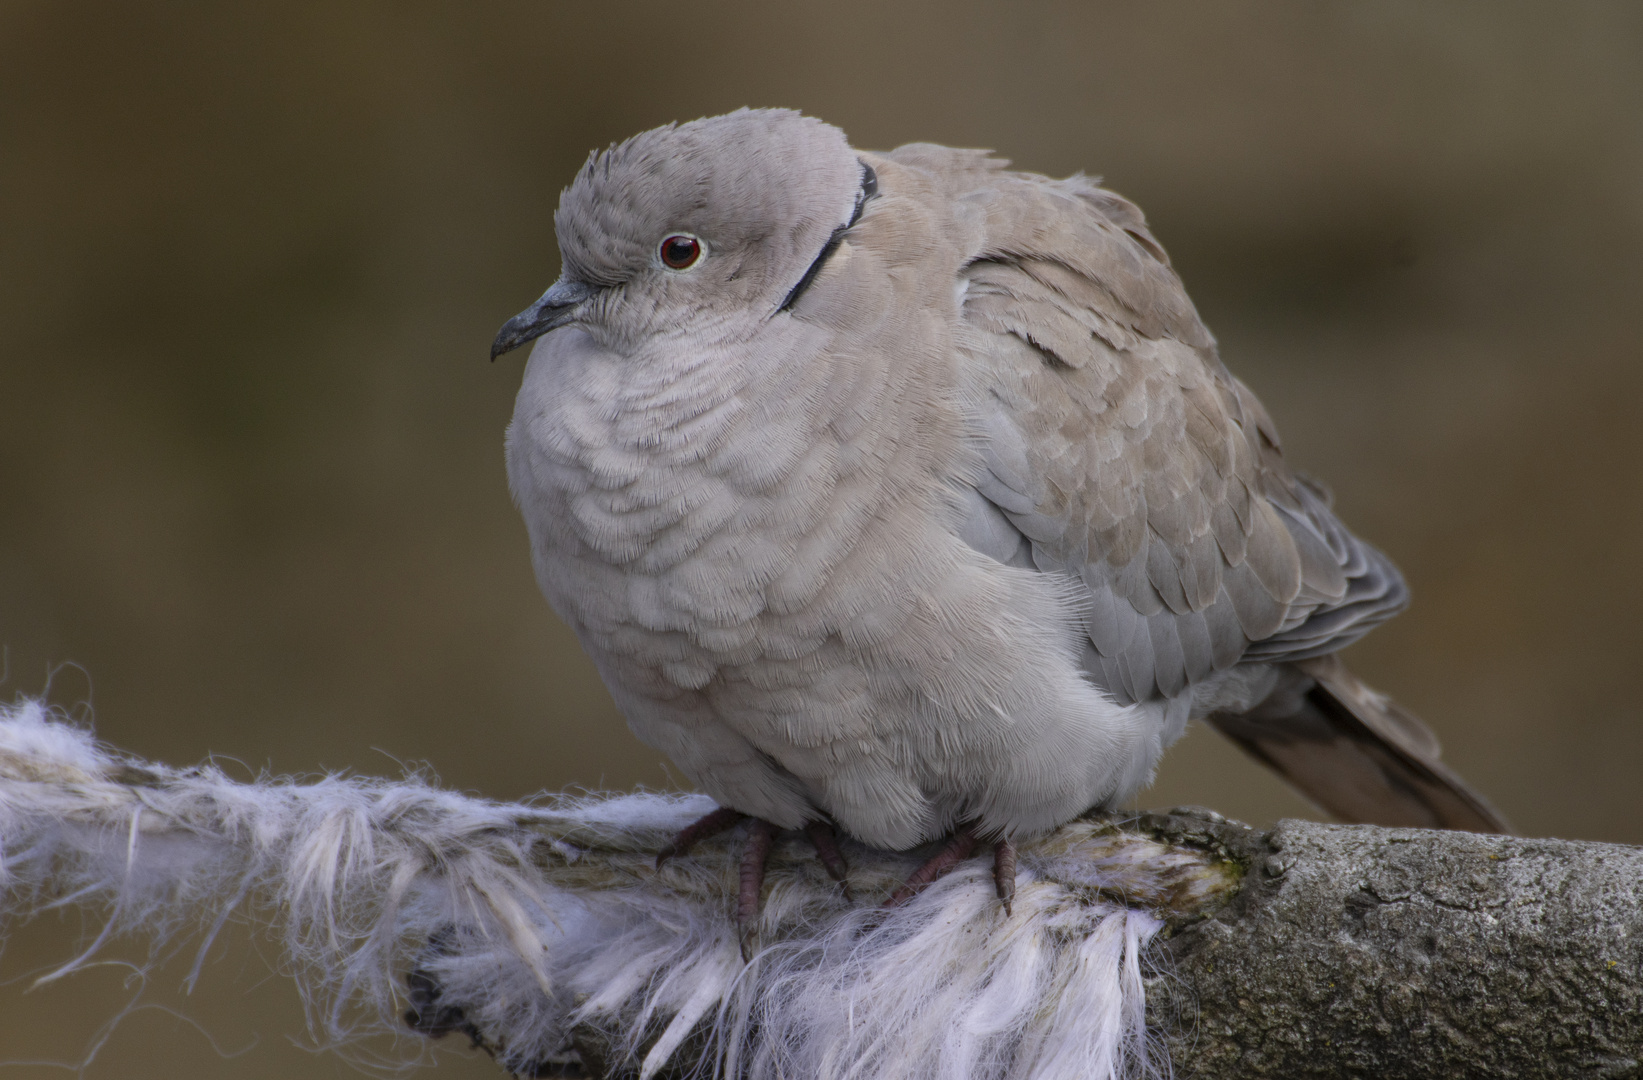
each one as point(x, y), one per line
point(557, 307)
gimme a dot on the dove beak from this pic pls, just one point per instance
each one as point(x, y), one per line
point(558, 306)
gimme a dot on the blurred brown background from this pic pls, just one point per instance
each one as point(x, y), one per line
point(252, 256)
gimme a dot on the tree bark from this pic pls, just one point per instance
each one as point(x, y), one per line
point(1359, 951)
point(1304, 951)
point(1362, 951)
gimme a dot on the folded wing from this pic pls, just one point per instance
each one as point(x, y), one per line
point(1118, 449)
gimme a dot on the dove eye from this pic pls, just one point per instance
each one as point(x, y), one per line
point(681, 252)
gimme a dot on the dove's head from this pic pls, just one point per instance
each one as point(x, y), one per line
point(692, 225)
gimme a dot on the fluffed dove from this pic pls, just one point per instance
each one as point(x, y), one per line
point(908, 493)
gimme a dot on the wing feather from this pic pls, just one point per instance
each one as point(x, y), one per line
point(1122, 451)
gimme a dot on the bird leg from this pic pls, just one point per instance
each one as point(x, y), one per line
point(750, 870)
point(956, 850)
point(750, 881)
point(1004, 873)
point(708, 825)
point(751, 874)
point(827, 850)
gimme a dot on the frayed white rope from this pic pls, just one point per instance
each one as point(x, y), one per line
point(536, 925)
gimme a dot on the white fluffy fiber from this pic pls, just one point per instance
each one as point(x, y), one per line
point(536, 918)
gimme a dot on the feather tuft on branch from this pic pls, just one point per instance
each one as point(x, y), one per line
point(546, 931)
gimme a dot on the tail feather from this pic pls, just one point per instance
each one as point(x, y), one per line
point(1356, 753)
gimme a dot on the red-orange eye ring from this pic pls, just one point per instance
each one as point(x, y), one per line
point(680, 251)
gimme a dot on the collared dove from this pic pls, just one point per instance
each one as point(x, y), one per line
point(907, 493)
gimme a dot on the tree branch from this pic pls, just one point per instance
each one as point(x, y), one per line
point(546, 933)
point(1363, 951)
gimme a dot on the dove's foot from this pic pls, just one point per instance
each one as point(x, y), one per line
point(757, 853)
point(750, 871)
point(826, 843)
point(750, 877)
point(703, 827)
point(1004, 873)
point(956, 850)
